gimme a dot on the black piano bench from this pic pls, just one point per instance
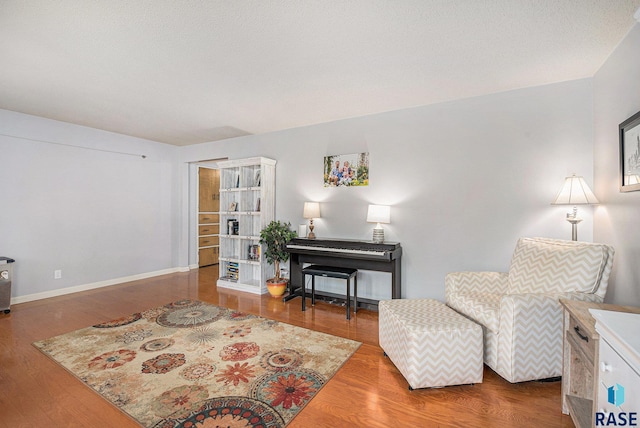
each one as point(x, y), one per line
point(331, 272)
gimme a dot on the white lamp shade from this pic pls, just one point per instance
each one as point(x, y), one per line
point(575, 191)
point(379, 214)
point(311, 210)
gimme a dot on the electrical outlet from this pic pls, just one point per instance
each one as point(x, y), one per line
point(57, 274)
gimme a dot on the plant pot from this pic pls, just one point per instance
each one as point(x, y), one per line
point(276, 288)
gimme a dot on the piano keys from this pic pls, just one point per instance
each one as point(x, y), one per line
point(364, 255)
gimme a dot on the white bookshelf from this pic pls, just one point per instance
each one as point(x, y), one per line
point(247, 205)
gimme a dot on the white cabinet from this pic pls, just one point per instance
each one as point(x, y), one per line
point(584, 339)
point(247, 205)
point(618, 396)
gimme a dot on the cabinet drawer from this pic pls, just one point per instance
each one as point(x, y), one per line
point(210, 229)
point(208, 218)
point(207, 241)
point(579, 338)
point(208, 256)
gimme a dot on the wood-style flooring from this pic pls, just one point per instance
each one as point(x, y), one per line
point(368, 391)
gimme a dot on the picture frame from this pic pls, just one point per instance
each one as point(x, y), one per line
point(351, 170)
point(233, 206)
point(256, 178)
point(629, 134)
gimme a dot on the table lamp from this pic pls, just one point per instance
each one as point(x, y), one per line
point(311, 211)
point(378, 214)
point(574, 191)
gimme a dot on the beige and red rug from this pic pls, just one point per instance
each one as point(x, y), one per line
point(193, 364)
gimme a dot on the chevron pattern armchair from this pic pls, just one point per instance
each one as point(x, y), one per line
point(519, 311)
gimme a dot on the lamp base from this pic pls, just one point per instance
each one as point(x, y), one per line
point(311, 235)
point(574, 226)
point(378, 235)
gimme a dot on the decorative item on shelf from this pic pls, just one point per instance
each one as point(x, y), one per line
point(311, 211)
point(256, 178)
point(574, 191)
point(275, 237)
point(378, 214)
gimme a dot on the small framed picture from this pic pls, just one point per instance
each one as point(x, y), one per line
point(629, 131)
point(233, 206)
point(256, 178)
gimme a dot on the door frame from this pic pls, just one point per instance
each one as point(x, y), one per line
point(194, 193)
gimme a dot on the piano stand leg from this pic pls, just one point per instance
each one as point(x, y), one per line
point(355, 294)
point(348, 298)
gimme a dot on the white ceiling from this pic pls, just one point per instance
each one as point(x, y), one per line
point(186, 71)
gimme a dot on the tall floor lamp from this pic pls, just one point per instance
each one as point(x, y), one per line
point(575, 191)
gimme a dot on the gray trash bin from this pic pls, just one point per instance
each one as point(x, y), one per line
point(5, 284)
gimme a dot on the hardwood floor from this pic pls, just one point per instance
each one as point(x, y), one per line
point(368, 391)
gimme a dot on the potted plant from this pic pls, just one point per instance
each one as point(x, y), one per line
point(275, 237)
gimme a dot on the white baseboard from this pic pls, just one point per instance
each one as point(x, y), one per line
point(93, 285)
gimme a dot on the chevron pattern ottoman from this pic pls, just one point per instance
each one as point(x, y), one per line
point(431, 344)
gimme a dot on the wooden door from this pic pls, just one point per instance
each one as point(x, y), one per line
point(209, 185)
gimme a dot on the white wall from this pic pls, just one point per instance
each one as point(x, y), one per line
point(95, 215)
point(465, 179)
point(616, 98)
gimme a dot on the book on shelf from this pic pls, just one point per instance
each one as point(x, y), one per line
point(233, 227)
point(253, 252)
point(258, 205)
point(231, 271)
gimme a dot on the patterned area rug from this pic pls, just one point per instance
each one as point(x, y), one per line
point(193, 364)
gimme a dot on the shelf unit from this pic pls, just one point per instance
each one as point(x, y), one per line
point(247, 205)
point(208, 217)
